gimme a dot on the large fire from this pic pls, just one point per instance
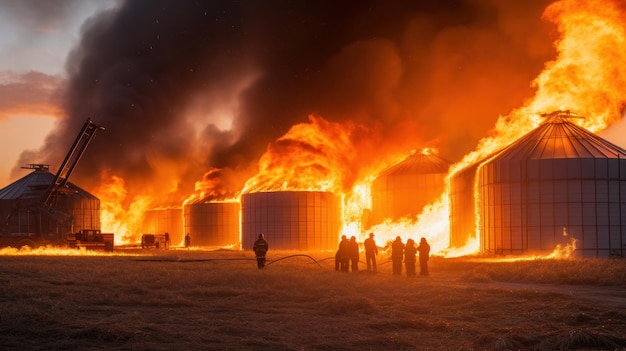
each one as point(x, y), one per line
point(586, 76)
point(125, 223)
point(310, 157)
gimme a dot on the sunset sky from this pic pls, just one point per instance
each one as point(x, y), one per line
point(35, 38)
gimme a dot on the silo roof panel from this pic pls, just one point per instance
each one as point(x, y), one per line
point(27, 186)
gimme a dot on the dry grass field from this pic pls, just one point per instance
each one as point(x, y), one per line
point(219, 300)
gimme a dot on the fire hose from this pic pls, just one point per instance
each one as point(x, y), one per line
point(228, 259)
point(269, 262)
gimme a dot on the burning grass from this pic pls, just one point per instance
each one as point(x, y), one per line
point(177, 299)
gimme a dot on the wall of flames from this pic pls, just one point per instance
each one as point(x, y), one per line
point(586, 77)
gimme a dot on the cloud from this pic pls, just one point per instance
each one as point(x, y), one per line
point(32, 93)
point(35, 17)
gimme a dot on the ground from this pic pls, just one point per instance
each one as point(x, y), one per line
point(218, 300)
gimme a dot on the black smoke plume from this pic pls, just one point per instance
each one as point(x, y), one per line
point(184, 87)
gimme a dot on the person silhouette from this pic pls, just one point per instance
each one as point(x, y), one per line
point(409, 257)
point(371, 250)
point(424, 250)
point(397, 253)
point(260, 248)
point(353, 254)
point(341, 255)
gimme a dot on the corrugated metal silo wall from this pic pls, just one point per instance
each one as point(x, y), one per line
point(212, 223)
point(396, 196)
point(159, 221)
point(292, 220)
point(85, 211)
point(462, 203)
point(529, 205)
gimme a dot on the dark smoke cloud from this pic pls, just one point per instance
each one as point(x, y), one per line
point(165, 77)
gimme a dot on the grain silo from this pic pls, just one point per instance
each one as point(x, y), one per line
point(559, 182)
point(462, 205)
point(212, 223)
point(164, 220)
point(73, 209)
point(292, 220)
point(406, 187)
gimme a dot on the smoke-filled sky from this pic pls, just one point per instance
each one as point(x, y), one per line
point(35, 38)
point(187, 86)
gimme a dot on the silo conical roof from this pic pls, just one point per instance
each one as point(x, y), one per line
point(405, 188)
point(33, 185)
point(558, 138)
point(418, 163)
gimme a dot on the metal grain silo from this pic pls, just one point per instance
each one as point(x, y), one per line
point(73, 209)
point(406, 187)
point(292, 220)
point(558, 182)
point(462, 205)
point(162, 220)
point(213, 223)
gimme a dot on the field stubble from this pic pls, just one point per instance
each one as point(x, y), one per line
point(219, 300)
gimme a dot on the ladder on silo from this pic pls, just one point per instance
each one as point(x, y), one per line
point(84, 137)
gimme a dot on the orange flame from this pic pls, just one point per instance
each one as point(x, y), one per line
point(309, 157)
point(560, 253)
point(586, 77)
point(354, 205)
point(56, 251)
point(125, 223)
point(216, 185)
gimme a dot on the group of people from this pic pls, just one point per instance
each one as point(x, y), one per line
point(408, 252)
point(347, 256)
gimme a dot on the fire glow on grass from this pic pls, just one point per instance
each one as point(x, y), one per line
point(586, 77)
point(559, 253)
point(56, 251)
